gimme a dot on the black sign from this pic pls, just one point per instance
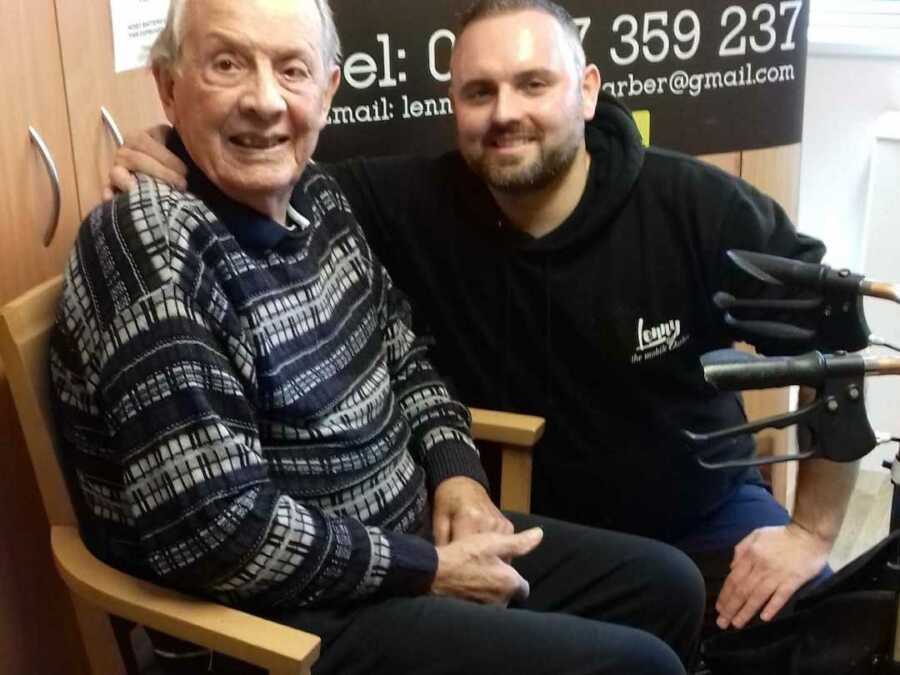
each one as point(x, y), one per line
point(711, 75)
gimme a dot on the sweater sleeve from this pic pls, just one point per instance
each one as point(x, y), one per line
point(440, 441)
point(376, 189)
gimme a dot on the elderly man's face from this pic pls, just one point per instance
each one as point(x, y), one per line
point(520, 103)
point(250, 93)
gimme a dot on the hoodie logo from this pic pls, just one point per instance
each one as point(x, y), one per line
point(654, 341)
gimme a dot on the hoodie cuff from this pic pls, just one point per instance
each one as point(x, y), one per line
point(453, 458)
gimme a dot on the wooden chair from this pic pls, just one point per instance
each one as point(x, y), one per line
point(99, 591)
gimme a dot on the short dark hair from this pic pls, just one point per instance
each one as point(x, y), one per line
point(484, 8)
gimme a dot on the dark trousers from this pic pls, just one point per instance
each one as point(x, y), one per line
point(601, 602)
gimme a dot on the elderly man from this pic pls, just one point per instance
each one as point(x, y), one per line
point(551, 249)
point(247, 415)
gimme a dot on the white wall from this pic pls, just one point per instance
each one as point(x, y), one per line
point(849, 89)
point(845, 96)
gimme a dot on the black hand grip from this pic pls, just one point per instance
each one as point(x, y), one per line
point(770, 329)
point(772, 269)
point(780, 371)
point(726, 301)
point(775, 371)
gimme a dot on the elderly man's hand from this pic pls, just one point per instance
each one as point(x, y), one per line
point(769, 565)
point(145, 152)
point(462, 507)
point(477, 568)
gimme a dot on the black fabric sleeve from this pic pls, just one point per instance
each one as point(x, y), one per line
point(755, 222)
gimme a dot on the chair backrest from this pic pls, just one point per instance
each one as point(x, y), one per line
point(25, 326)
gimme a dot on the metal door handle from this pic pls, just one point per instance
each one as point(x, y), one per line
point(111, 126)
point(54, 182)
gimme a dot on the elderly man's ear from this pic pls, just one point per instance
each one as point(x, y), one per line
point(165, 85)
point(334, 81)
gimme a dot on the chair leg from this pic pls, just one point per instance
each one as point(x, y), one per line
point(515, 479)
point(122, 629)
point(99, 640)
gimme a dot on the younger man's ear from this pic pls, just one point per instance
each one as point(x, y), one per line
point(590, 90)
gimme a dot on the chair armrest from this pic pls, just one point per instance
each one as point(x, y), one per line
point(263, 643)
point(507, 428)
point(516, 434)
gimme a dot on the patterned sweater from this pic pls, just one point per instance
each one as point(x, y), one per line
point(244, 410)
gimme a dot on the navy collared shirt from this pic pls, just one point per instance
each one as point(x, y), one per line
point(251, 229)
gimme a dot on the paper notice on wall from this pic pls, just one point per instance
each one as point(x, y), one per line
point(135, 25)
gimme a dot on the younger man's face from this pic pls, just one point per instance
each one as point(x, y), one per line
point(520, 102)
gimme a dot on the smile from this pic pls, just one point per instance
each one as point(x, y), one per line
point(257, 141)
point(510, 141)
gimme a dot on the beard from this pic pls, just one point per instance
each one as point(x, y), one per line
point(516, 176)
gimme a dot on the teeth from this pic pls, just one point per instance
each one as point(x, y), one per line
point(256, 142)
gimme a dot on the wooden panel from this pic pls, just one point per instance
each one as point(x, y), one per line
point(727, 161)
point(85, 33)
point(776, 171)
point(37, 625)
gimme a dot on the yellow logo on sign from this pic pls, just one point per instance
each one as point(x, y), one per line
point(642, 119)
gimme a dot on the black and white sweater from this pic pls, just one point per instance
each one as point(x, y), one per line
point(245, 412)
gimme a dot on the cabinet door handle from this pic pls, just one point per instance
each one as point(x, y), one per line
point(111, 126)
point(54, 182)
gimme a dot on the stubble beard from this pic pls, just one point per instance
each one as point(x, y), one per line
point(517, 178)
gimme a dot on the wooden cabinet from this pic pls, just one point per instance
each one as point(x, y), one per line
point(85, 37)
point(32, 80)
point(37, 627)
point(55, 73)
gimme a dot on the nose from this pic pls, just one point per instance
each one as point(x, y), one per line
point(263, 96)
point(507, 106)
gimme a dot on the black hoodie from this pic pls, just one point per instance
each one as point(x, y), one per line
point(597, 326)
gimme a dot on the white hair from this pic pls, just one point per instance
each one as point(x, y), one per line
point(167, 48)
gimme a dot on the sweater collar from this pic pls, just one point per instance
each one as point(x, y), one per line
point(251, 229)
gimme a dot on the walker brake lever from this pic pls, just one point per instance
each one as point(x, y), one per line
point(698, 440)
point(767, 329)
point(727, 301)
point(836, 419)
point(787, 272)
point(835, 313)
